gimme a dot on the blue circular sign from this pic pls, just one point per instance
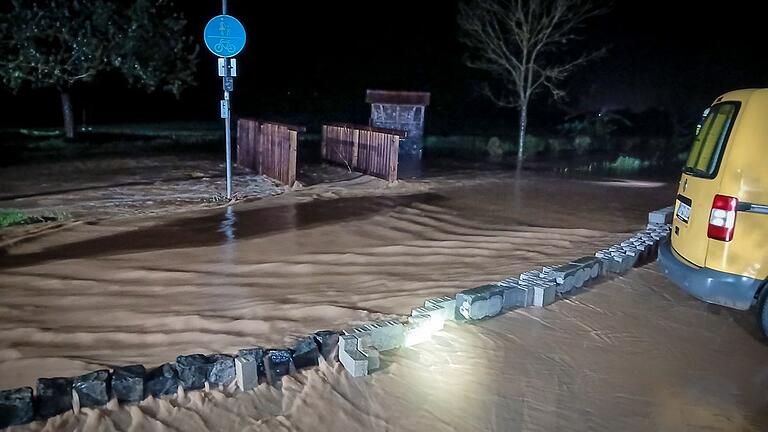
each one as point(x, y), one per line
point(224, 36)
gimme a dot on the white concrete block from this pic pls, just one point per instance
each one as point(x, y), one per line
point(628, 258)
point(449, 303)
point(564, 275)
point(530, 276)
point(438, 315)
point(481, 302)
point(386, 335)
point(374, 361)
point(246, 373)
point(516, 294)
point(543, 291)
point(544, 294)
point(581, 277)
point(610, 262)
point(350, 356)
point(591, 264)
point(661, 216)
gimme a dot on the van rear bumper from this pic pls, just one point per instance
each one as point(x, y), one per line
point(711, 286)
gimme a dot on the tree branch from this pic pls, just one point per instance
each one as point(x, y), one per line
point(520, 44)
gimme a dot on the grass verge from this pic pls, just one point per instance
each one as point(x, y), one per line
point(11, 217)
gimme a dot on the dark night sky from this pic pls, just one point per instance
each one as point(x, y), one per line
point(315, 59)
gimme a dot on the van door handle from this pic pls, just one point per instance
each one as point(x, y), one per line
point(752, 208)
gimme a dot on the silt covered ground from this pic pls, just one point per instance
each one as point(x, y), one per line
point(631, 353)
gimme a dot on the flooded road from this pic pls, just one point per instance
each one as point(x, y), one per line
point(632, 353)
point(223, 227)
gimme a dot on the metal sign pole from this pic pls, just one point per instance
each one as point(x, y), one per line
point(227, 126)
point(228, 140)
point(225, 37)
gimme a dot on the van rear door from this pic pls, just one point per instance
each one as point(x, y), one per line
point(700, 182)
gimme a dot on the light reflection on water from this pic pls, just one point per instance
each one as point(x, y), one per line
point(227, 225)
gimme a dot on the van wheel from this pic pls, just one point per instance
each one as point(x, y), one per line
point(762, 311)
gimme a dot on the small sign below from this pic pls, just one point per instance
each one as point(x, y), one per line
point(225, 109)
point(229, 83)
point(224, 36)
point(223, 67)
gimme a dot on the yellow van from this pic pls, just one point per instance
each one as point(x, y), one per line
point(718, 249)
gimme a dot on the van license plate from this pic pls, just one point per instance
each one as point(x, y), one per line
point(683, 211)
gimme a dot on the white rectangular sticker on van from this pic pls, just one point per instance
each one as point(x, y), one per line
point(683, 211)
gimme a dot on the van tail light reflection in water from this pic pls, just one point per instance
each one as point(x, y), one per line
point(722, 218)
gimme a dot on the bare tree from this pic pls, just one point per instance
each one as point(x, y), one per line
point(524, 46)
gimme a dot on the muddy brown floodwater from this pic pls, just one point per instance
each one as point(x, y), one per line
point(632, 353)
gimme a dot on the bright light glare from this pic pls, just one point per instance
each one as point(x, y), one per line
point(417, 335)
point(424, 332)
point(436, 323)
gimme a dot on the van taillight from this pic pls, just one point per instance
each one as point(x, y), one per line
point(722, 218)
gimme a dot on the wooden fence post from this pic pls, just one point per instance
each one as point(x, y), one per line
point(293, 149)
point(394, 150)
point(256, 142)
point(355, 147)
point(324, 143)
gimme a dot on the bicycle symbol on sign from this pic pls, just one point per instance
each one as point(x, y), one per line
point(224, 46)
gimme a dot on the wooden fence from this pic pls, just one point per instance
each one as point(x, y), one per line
point(268, 148)
point(366, 149)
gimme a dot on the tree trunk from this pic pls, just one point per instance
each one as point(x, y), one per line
point(521, 139)
point(67, 113)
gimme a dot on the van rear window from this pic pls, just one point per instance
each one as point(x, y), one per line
point(711, 137)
